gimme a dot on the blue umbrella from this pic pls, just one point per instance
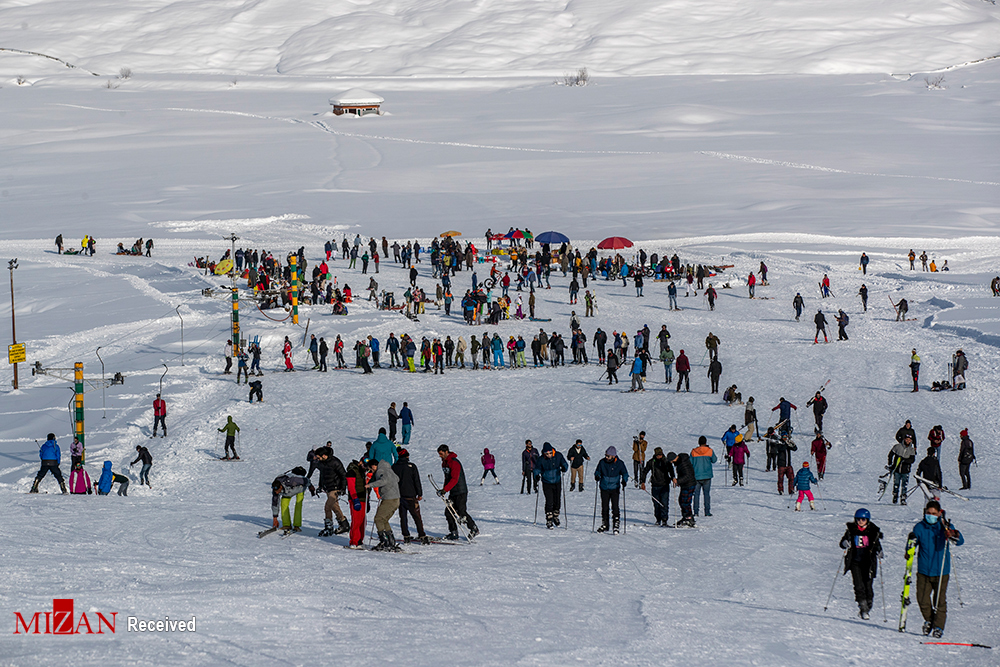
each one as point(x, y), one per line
point(551, 237)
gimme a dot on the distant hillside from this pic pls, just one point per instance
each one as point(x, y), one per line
point(499, 37)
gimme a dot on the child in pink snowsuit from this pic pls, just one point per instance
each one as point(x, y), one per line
point(489, 463)
point(802, 480)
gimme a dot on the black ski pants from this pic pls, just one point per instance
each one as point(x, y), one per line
point(863, 583)
point(660, 509)
point(49, 466)
point(459, 502)
point(528, 478)
point(410, 506)
point(553, 497)
point(682, 377)
point(609, 497)
point(963, 472)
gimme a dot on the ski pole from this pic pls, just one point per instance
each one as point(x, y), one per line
point(371, 531)
point(836, 574)
point(535, 520)
point(881, 581)
point(624, 511)
point(562, 483)
point(593, 526)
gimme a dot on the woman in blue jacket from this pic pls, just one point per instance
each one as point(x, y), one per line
point(550, 468)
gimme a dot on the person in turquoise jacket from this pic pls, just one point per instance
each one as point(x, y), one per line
point(802, 480)
point(383, 449)
point(702, 458)
point(933, 535)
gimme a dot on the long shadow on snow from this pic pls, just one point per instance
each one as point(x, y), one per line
point(825, 617)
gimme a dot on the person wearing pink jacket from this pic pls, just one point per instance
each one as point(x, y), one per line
point(739, 454)
point(489, 466)
point(79, 480)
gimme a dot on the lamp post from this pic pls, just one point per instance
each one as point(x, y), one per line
point(11, 265)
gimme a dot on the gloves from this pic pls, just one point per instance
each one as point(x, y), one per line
point(274, 523)
point(312, 490)
point(355, 503)
point(441, 493)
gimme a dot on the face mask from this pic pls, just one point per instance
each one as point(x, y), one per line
point(930, 518)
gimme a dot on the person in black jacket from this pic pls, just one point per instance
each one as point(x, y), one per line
point(577, 454)
point(862, 550)
point(930, 469)
point(393, 419)
point(147, 463)
point(333, 482)
point(906, 430)
point(818, 403)
point(410, 494)
point(529, 457)
point(324, 350)
point(661, 473)
point(783, 449)
point(900, 459)
point(684, 479)
point(966, 455)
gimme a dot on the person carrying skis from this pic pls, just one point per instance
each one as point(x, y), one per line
point(819, 405)
point(332, 482)
point(147, 463)
point(50, 455)
point(489, 466)
point(410, 494)
point(862, 545)
point(901, 309)
point(819, 447)
point(802, 479)
point(798, 303)
point(577, 454)
point(685, 481)
point(901, 457)
point(771, 441)
point(930, 469)
point(933, 535)
point(914, 369)
point(529, 459)
point(842, 321)
point(863, 293)
point(458, 493)
point(966, 455)
point(783, 449)
point(385, 480)
point(820, 321)
point(739, 453)
point(159, 415)
point(284, 487)
point(611, 476)
point(230, 429)
point(357, 498)
point(660, 472)
point(79, 480)
point(550, 469)
point(785, 415)
point(683, 371)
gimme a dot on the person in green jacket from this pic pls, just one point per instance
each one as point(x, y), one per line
point(230, 429)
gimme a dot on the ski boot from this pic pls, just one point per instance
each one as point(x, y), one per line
point(62, 485)
point(927, 628)
point(391, 542)
point(327, 528)
point(614, 527)
point(798, 507)
point(903, 501)
point(382, 542)
point(34, 487)
point(474, 529)
point(863, 609)
point(453, 535)
point(555, 518)
point(936, 633)
point(343, 527)
point(548, 521)
point(895, 499)
point(581, 487)
point(734, 483)
point(424, 539)
point(603, 528)
point(407, 539)
point(572, 487)
point(812, 505)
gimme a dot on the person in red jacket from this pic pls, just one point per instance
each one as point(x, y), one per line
point(159, 415)
point(819, 447)
point(751, 283)
point(683, 370)
point(287, 352)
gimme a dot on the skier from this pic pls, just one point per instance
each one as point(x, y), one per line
point(739, 454)
point(712, 345)
point(159, 415)
point(819, 405)
point(230, 429)
point(714, 373)
point(256, 389)
point(284, 487)
point(50, 455)
point(683, 371)
point(842, 321)
point(702, 458)
point(639, 446)
point(863, 293)
point(612, 366)
point(785, 415)
point(901, 309)
point(819, 447)
point(611, 476)
point(825, 286)
point(357, 498)
point(914, 369)
point(636, 373)
point(729, 439)
point(783, 449)
point(550, 469)
point(820, 321)
point(930, 469)
point(458, 493)
point(332, 482)
point(410, 494)
point(147, 463)
point(684, 480)
point(577, 454)
point(660, 472)
point(79, 480)
point(932, 535)
point(862, 545)
point(406, 416)
point(241, 367)
point(489, 466)
point(966, 455)
point(384, 479)
point(255, 362)
point(901, 457)
point(802, 479)
point(529, 458)
point(798, 303)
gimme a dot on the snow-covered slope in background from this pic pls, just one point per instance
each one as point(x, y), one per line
point(494, 37)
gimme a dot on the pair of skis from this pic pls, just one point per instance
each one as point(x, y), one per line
point(450, 508)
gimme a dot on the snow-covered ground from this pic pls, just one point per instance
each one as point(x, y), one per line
point(224, 128)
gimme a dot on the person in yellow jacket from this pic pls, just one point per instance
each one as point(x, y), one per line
point(639, 445)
